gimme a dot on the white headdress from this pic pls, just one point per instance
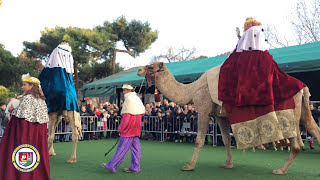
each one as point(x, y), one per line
point(253, 39)
point(61, 57)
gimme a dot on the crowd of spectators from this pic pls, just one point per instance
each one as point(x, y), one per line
point(165, 121)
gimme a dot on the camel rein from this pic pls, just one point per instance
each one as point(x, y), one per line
point(155, 82)
point(148, 77)
point(111, 148)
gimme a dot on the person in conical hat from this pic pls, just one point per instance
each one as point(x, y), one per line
point(130, 130)
point(24, 145)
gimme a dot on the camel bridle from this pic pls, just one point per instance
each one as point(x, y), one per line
point(149, 70)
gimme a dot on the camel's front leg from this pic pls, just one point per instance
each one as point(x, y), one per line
point(203, 124)
point(226, 138)
point(75, 136)
point(53, 121)
point(204, 107)
point(295, 149)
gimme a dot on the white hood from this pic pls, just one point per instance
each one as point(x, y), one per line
point(61, 57)
point(253, 39)
point(132, 104)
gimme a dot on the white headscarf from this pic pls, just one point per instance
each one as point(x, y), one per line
point(61, 57)
point(132, 104)
point(253, 39)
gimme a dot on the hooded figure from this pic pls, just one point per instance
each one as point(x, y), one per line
point(56, 80)
point(253, 88)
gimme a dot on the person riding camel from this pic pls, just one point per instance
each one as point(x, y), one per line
point(254, 90)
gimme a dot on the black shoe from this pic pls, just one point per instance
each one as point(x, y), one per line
point(311, 148)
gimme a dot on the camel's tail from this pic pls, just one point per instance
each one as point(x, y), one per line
point(306, 116)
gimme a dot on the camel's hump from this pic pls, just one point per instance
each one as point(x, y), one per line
point(213, 80)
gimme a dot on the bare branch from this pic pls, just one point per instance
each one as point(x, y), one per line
point(273, 38)
point(306, 21)
point(183, 54)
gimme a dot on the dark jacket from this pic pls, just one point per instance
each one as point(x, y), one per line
point(178, 121)
point(2, 117)
point(315, 114)
point(168, 123)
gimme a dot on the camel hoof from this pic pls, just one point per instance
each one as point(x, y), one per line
point(187, 168)
point(227, 166)
point(278, 171)
point(71, 161)
point(52, 154)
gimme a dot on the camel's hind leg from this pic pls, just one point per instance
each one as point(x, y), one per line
point(306, 116)
point(53, 122)
point(75, 135)
point(300, 112)
point(226, 138)
point(204, 107)
point(295, 149)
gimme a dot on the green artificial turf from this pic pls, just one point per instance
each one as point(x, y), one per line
point(163, 160)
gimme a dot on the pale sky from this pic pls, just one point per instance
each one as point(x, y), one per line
point(207, 25)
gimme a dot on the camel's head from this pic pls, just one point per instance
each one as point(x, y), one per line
point(150, 69)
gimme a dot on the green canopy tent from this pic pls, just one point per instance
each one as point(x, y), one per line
point(301, 61)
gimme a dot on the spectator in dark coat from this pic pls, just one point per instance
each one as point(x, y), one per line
point(84, 122)
point(210, 132)
point(178, 125)
point(168, 125)
point(2, 117)
point(315, 113)
point(92, 123)
point(158, 126)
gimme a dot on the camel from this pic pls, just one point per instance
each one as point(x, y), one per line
point(198, 93)
point(69, 116)
point(57, 85)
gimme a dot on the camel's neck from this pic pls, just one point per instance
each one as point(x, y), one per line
point(172, 89)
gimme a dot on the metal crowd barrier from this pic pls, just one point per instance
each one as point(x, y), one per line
point(152, 127)
point(160, 129)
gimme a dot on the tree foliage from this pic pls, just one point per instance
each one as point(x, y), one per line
point(87, 45)
point(135, 35)
point(5, 94)
point(93, 71)
point(93, 49)
point(11, 69)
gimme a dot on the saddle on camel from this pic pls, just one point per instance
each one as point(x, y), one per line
point(256, 93)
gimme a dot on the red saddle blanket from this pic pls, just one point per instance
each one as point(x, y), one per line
point(258, 98)
point(254, 78)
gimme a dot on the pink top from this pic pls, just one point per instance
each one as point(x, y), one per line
point(130, 125)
